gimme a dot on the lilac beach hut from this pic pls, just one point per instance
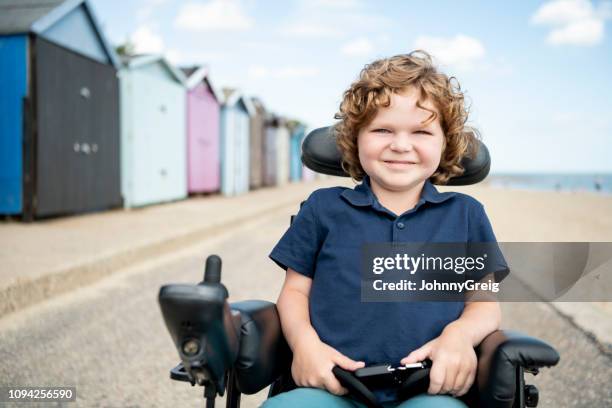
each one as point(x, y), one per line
point(203, 132)
point(276, 151)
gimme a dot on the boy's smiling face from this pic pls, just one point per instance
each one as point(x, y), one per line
point(396, 149)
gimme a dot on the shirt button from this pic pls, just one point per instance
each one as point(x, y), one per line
point(400, 225)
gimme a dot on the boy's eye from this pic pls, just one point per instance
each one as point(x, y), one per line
point(383, 130)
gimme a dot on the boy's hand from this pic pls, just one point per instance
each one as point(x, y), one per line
point(312, 366)
point(453, 359)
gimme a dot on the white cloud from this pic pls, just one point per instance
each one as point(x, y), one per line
point(584, 32)
point(291, 72)
point(563, 11)
point(334, 19)
point(460, 51)
point(574, 22)
point(146, 40)
point(310, 30)
point(216, 15)
point(358, 47)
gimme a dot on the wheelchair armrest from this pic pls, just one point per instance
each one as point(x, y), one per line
point(500, 354)
point(264, 354)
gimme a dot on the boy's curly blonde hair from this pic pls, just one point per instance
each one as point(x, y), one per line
point(377, 81)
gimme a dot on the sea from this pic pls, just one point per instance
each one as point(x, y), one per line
point(569, 182)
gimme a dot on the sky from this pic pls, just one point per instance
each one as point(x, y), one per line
point(536, 74)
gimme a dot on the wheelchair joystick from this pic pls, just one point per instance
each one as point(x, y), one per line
point(212, 271)
point(205, 331)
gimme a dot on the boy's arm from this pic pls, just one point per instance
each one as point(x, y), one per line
point(454, 359)
point(312, 359)
point(480, 317)
point(292, 307)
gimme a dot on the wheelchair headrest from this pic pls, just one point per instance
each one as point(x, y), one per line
point(320, 154)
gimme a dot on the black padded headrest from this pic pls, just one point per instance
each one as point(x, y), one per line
point(320, 154)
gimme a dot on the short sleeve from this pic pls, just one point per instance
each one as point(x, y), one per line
point(481, 231)
point(299, 246)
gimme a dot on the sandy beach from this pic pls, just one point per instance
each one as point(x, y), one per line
point(548, 216)
point(543, 216)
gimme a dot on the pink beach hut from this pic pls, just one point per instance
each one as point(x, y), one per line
point(203, 133)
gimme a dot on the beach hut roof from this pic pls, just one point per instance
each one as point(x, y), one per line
point(233, 97)
point(38, 16)
point(258, 105)
point(195, 75)
point(142, 60)
point(188, 70)
point(275, 120)
point(250, 108)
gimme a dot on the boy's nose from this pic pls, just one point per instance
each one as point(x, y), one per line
point(401, 143)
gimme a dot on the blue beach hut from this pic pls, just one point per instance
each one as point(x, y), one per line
point(236, 112)
point(153, 131)
point(295, 151)
point(59, 117)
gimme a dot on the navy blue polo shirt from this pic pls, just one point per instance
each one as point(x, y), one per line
point(324, 242)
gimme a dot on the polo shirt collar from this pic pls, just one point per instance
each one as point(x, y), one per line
point(362, 194)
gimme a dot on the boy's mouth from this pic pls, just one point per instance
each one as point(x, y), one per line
point(398, 162)
point(398, 165)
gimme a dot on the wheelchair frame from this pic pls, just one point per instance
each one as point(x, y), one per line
point(222, 346)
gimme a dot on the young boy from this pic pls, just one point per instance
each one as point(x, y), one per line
point(401, 127)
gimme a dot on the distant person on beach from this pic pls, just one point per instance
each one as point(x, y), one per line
point(597, 184)
point(401, 129)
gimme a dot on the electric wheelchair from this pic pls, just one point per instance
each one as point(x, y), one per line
point(238, 348)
